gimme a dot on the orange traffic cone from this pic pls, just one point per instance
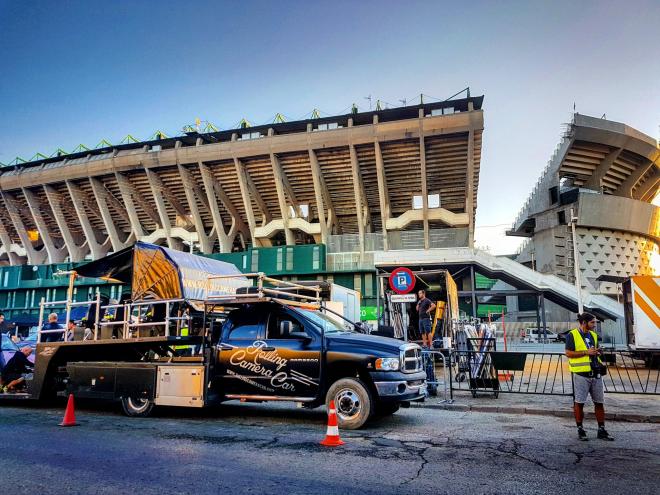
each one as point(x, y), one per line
point(332, 436)
point(69, 414)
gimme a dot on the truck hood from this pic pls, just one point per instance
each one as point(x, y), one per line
point(368, 342)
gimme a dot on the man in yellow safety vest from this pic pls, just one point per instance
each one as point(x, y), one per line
point(587, 369)
point(183, 333)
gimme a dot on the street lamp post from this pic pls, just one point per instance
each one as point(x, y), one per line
point(576, 264)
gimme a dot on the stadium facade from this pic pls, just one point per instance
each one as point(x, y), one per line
point(316, 198)
point(607, 174)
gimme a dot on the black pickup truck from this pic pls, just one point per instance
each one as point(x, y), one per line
point(253, 352)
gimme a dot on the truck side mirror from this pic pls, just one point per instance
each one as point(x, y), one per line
point(285, 329)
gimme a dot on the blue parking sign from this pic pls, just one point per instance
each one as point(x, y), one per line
point(402, 280)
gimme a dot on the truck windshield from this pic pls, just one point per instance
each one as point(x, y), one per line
point(328, 324)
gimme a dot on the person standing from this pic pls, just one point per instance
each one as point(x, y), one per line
point(4, 326)
point(70, 331)
point(587, 369)
point(52, 325)
point(424, 308)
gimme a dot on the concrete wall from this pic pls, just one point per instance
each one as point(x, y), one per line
point(618, 213)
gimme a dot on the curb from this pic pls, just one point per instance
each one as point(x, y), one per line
point(562, 413)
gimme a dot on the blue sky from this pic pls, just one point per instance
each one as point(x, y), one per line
point(79, 72)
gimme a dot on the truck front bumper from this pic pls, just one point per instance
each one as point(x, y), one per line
point(410, 389)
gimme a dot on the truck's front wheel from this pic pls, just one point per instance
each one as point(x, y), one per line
point(139, 408)
point(352, 401)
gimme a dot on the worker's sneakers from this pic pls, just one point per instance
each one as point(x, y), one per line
point(603, 435)
point(582, 435)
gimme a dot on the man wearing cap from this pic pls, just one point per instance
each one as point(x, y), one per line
point(587, 369)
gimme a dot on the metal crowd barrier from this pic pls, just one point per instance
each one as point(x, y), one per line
point(435, 365)
point(547, 373)
point(511, 372)
point(632, 372)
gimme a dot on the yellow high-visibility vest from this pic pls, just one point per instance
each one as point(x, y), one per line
point(184, 333)
point(581, 364)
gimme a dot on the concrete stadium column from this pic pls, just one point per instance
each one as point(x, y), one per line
point(158, 193)
point(360, 198)
point(278, 175)
point(101, 195)
point(208, 179)
point(128, 193)
point(55, 254)
point(319, 186)
point(595, 181)
point(97, 250)
point(383, 195)
point(205, 241)
point(330, 213)
point(5, 241)
point(76, 252)
point(425, 192)
point(34, 256)
point(245, 196)
point(469, 188)
point(288, 190)
point(237, 223)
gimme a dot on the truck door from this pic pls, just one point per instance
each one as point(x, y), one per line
point(295, 355)
point(238, 362)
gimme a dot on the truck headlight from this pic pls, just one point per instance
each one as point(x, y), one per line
point(387, 364)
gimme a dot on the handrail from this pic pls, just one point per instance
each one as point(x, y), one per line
point(281, 288)
point(128, 323)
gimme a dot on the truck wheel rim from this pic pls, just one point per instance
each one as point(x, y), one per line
point(138, 405)
point(348, 404)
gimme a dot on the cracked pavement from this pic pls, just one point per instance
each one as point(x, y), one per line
point(249, 448)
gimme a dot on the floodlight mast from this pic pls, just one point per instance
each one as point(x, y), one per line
point(576, 264)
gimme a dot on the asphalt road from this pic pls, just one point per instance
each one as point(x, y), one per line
point(274, 449)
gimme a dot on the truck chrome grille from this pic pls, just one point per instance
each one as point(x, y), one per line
point(411, 358)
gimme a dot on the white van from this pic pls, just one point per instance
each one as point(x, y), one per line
point(536, 335)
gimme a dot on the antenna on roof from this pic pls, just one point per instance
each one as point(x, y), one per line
point(404, 101)
point(368, 98)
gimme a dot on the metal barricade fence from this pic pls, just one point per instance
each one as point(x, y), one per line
point(438, 374)
point(547, 373)
point(511, 372)
point(632, 372)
